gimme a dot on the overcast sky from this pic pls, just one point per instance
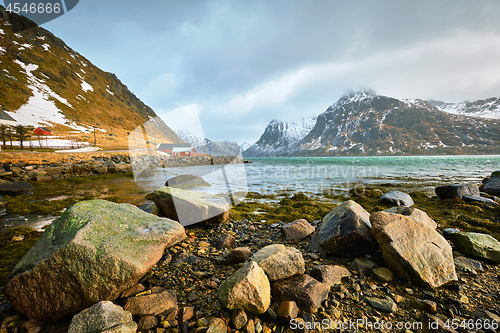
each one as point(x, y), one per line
point(243, 63)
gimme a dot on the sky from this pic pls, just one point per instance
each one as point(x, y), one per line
point(242, 63)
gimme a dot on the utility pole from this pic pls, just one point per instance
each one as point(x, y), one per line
point(95, 141)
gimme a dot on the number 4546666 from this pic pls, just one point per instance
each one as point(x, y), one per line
point(33, 8)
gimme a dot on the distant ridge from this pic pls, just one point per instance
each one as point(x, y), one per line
point(366, 123)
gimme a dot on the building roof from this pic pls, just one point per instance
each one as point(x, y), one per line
point(5, 116)
point(170, 146)
point(44, 129)
point(181, 150)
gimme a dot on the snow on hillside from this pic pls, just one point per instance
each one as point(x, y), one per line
point(294, 131)
point(245, 145)
point(40, 110)
point(190, 138)
point(489, 108)
point(281, 136)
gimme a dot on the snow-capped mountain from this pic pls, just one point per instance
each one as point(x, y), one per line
point(280, 137)
point(488, 108)
point(366, 123)
point(186, 136)
point(215, 149)
point(245, 145)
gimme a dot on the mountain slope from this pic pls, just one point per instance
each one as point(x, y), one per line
point(488, 108)
point(280, 137)
point(190, 138)
point(365, 123)
point(44, 82)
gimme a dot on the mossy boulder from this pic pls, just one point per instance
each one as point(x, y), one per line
point(477, 244)
point(91, 253)
point(189, 207)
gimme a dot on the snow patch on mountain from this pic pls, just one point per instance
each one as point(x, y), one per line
point(489, 108)
point(245, 145)
point(280, 137)
point(40, 109)
point(190, 138)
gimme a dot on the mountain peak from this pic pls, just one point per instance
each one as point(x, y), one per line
point(355, 96)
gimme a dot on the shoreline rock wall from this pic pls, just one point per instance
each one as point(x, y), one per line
point(102, 165)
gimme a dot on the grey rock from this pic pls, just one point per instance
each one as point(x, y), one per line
point(382, 304)
point(225, 241)
point(492, 185)
point(298, 230)
point(363, 266)
point(186, 181)
point(478, 199)
point(101, 317)
point(456, 190)
point(397, 198)
point(468, 263)
point(279, 262)
point(329, 275)
point(307, 292)
point(189, 207)
point(238, 255)
point(346, 231)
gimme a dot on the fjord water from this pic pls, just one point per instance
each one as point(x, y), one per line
point(335, 175)
point(320, 174)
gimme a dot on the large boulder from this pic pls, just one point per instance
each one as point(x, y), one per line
point(279, 262)
point(456, 190)
point(415, 214)
point(476, 244)
point(492, 185)
point(189, 207)
point(247, 289)
point(91, 253)
point(103, 317)
point(306, 291)
point(413, 251)
point(186, 181)
point(346, 231)
point(397, 198)
point(14, 188)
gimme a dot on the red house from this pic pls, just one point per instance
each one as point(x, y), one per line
point(182, 152)
point(177, 149)
point(42, 131)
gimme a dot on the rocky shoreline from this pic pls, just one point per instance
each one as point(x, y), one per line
point(377, 258)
